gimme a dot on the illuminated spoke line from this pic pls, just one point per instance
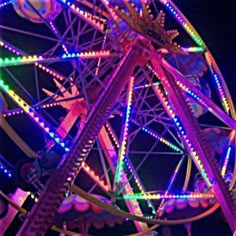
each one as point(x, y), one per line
point(228, 153)
point(226, 160)
point(95, 21)
point(124, 135)
point(3, 4)
point(95, 177)
point(170, 184)
point(10, 47)
point(33, 115)
point(16, 51)
point(218, 82)
point(151, 196)
point(163, 140)
point(176, 13)
point(5, 170)
point(19, 111)
point(56, 32)
point(20, 60)
point(138, 182)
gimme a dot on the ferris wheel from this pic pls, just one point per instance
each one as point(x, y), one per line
point(113, 112)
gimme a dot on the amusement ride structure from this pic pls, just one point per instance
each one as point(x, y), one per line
point(111, 112)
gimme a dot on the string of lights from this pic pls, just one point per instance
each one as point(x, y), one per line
point(20, 60)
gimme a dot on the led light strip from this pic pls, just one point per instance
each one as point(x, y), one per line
point(221, 88)
point(174, 175)
point(5, 170)
point(190, 93)
point(146, 85)
point(193, 49)
point(51, 72)
point(40, 66)
point(138, 183)
point(9, 48)
point(21, 111)
point(96, 21)
point(197, 98)
point(151, 196)
point(221, 92)
point(33, 115)
point(172, 8)
point(95, 177)
point(3, 4)
point(122, 149)
point(13, 61)
point(54, 29)
point(226, 161)
point(163, 140)
point(111, 133)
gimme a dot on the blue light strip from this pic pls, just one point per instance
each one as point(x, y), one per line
point(5, 171)
point(161, 139)
point(3, 4)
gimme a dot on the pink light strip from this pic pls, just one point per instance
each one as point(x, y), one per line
point(95, 177)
